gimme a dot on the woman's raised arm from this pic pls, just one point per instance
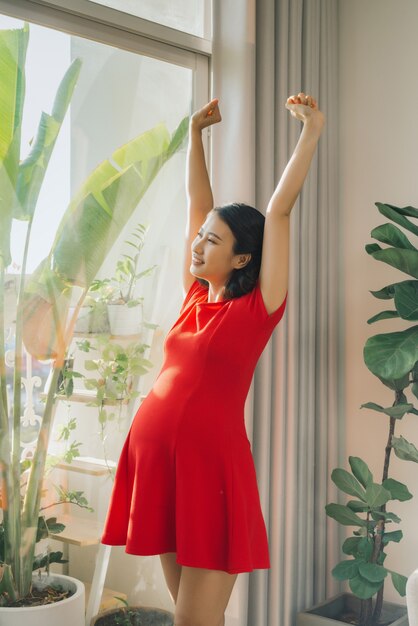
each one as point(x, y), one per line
point(275, 258)
point(198, 189)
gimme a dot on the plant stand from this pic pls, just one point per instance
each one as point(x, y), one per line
point(326, 613)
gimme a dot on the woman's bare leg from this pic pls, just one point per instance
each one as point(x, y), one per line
point(203, 596)
point(172, 573)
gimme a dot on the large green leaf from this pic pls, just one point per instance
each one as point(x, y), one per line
point(392, 355)
point(397, 411)
point(383, 315)
point(344, 515)
point(398, 490)
point(399, 582)
point(406, 210)
point(372, 572)
point(392, 235)
point(398, 215)
point(33, 169)
point(376, 495)
point(404, 450)
point(363, 588)
point(89, 228)
point(360, 470)
point(386, 293)
point(13, 47)
point(396, 384)
point(346, 569)
point(350, 545)
point(406, 300)
point(394, 535)
point(403, 260)
point(357, 506)
point(348, 483)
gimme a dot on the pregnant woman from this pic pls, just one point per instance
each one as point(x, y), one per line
point(185, 486)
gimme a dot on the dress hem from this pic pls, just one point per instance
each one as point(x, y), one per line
point(245, 569)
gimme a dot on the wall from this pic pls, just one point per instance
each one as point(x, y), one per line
point(379, 162)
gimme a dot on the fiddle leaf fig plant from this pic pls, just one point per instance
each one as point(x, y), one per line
point(393, 358)
point(90, 226)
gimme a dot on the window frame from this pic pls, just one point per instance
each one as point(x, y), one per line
point(86, 15)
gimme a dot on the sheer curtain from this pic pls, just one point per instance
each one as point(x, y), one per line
point(264, 51)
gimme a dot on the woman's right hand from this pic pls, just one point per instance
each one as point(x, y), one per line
point(207, 115)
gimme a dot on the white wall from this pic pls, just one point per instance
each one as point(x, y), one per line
point(379, 162)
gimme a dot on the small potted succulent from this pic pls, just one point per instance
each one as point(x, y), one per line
point(124, 307)
point(393, 358)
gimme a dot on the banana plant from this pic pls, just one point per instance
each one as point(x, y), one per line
point(393, 358)
point(90, 226)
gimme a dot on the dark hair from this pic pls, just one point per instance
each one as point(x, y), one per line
point(247, 226)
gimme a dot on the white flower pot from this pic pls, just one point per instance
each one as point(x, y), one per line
point(124, 320)
point(68, 612)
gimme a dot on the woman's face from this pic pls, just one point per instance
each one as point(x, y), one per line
point(213, 258)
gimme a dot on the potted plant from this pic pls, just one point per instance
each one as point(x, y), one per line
point(90, 226)
point(393, 358)
point(133, 616)
point(124, 307)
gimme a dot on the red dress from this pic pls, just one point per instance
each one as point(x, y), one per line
point(185, 480)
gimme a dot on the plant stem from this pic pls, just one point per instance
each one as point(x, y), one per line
point(7, 485)
point(380, 528)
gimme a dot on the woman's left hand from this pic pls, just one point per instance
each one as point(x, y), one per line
point(304, 107)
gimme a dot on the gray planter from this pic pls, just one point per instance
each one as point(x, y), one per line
point(326, 613)
point(135, 616)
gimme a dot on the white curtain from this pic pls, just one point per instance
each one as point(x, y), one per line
point(264, 51)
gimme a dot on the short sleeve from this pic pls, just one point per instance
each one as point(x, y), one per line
point(258, 308)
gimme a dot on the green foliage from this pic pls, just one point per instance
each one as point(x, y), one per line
point(393, 358)
point(91, 224)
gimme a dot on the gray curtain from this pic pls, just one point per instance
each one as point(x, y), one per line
point(297, 395)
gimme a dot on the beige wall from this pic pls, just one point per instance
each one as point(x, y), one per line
point(378, 162)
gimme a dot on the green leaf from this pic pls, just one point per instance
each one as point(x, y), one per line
point(13, 48)
point(376, 495)
point(404, 260)
point(388, 516)
point(392, 355)
point(406, 300)
point(360, 470)
point(363, 588)
point(395, 535)
point(404, 450)
point(346, 569)
point(386, 293)
point(397, 384)
point(365, 548)
point(357, 506)
point(371, 248)
point(398, 490)
point(372, 572)
point(384, 315)
point(397, 411)
point(348, 483)
point(392, 235)
point(397, 215)
point(399, 582)
point(407, 210)
point(350, 545)
point(344, 515)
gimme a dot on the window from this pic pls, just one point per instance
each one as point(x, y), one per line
point(189, 16)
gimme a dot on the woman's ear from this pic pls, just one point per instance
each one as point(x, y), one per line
point(241, 260)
